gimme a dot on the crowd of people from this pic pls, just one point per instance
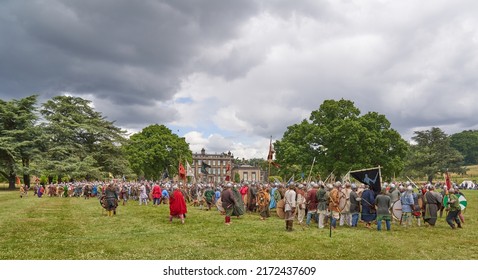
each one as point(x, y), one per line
point(335, 204)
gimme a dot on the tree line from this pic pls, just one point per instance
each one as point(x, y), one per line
point(65, 139)
point(336, 139)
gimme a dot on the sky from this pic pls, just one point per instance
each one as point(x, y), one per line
point(229, 75)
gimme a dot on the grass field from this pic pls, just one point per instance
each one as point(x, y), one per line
point(77, 229)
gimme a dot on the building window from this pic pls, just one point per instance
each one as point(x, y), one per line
point(245, 176)
point(213, 162)
point(253, 176)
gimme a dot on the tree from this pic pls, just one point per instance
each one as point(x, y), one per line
point(466, 142)
point(156, 149)
point(432, 154)
point(340, 140)
point(19, 138)
point(80, 142)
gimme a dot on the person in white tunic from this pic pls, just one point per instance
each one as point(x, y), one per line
point(290, 198)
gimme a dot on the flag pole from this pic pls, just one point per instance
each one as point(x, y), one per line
point(310, 172)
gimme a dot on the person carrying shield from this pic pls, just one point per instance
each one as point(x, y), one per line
point(454, 209)
point(407, 206)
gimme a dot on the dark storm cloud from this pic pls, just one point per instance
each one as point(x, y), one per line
point(126, 51)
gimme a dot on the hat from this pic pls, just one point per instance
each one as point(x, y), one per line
point(409, 188)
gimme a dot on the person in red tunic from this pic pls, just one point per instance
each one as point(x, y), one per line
point(156, 194)
point(177, 205)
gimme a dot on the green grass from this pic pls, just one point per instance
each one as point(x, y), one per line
point(77, 229)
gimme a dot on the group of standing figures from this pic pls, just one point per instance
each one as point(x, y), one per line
point(346, 203)
point(336, 204)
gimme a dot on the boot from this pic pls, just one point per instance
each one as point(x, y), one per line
point(291, 225)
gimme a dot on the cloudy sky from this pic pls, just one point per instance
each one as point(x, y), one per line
point(228, 75)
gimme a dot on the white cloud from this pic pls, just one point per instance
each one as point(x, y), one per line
point(230, 81)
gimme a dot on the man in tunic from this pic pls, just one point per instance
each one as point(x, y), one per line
point(383, 204)
point(228, 203)
point(263, 200)
point(432, 201)
point(111, 198)
point(251, 198)
point(334, 197)
point(143, 195)
point(301, 203)
point(274, 196)
point(312, 202)
point(157, 192)
point(177, 205)
point(407, 206)
point(345, 217)
point(322, 198)
point(368, 206)
point(209, 197)
point(354, 205)
point(454, 209)
point(290, 198)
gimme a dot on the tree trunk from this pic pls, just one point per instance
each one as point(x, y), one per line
point(26, 180)
point(430, 178)
point(26, 177)
point(11, 181)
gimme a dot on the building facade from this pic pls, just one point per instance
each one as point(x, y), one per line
point(248, 173)
point(217, 172)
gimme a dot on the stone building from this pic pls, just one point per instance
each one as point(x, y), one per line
point(218, 170)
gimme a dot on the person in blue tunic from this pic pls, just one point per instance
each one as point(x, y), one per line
point(273, 202)
point(368, 209)
point(164, 196)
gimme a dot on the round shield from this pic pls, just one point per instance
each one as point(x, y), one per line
point(420, 202)
point(219, 205)
point(397, 209)
point(103, 202)
point(342, 202)
point(280, 209)
point(463, 202)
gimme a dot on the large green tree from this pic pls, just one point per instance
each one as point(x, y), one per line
point(432, 154)
point(19, 138)
point(466, 142)
point(340, 140)
point(156, 149)
point(80, 142)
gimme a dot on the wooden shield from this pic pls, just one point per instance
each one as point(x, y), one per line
point(280, 209)
point(397, 209)
point(219, 205)
point(342, 202)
